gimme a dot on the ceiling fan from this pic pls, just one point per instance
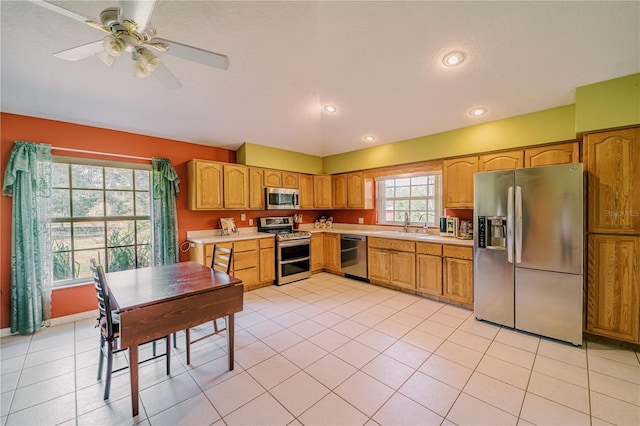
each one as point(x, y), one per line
point(129, 30)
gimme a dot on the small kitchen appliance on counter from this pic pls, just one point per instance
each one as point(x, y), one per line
point(452, 226)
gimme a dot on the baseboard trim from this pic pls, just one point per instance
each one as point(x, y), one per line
point(5, 332)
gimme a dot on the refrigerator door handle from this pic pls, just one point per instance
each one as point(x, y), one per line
point(510, 225)
point(518, 219)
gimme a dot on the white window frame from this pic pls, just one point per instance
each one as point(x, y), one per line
point(105, 219)
point(417, 218)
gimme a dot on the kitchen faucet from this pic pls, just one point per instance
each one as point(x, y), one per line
point(425, 226)
point(406, 222)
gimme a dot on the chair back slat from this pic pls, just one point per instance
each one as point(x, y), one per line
point(222, 258)
point(104, 301)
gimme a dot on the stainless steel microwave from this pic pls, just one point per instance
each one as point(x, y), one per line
point(282, 198)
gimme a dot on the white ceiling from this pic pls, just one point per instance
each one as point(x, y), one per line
point(378, 62)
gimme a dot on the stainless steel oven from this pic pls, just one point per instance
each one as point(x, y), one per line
point(293, 249)
point(293, 260)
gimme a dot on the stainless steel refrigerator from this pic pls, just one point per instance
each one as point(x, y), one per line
point(528, 250)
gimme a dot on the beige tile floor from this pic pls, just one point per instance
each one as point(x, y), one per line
point(334, 351)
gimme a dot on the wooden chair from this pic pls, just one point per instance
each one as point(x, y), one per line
point(220, 261)
point(109, 323)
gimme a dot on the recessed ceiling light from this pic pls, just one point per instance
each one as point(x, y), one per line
point(477, 112)
point(453, 59)
point(329, 108)
point(369, 138)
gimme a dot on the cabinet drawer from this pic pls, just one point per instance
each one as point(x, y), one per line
point(386, 243)
point(244, 260)
point(267, 243)
point(248, 276)
point(429, 248)
point(457, 252)
point(246, 245)
point(208, 249)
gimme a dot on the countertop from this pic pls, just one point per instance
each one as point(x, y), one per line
point(213, 236)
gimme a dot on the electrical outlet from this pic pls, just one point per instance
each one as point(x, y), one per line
point(361, 220)
point(243, 217)
point(250, 222)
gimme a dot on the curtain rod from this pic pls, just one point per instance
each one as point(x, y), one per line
point(100, 153)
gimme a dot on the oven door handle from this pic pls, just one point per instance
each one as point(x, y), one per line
point(297, 259)
point(292, 243)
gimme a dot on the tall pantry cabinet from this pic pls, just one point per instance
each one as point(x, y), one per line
point(612, 162)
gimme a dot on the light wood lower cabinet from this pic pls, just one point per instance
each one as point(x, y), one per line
point(267, 260)
point(317, 252)
point(429, 268)
point(392, 262)
point(253, 260)
point(332, 253)
point(457, 283)
point(613, 286)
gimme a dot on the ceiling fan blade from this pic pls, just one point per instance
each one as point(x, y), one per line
point(194, 54)
point(60, 10)
point(137, 11)
point(166, 77)
point(80, 52)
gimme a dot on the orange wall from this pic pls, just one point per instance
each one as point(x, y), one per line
point(67, 135)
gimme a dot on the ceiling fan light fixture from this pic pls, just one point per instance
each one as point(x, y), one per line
point(141, 70)
point(113, 45)
point(108, 59)
point(149, 61)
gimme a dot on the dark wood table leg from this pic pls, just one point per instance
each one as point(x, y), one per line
point(230, 334)
point(133, 377)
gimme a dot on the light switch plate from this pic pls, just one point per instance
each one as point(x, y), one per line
point(250, 222)
point(243, 217)
point(361, 220)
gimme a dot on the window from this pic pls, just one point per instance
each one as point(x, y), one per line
point(100, 210)
point(415, 195)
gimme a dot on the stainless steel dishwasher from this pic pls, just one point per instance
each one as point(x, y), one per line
point(353, 256)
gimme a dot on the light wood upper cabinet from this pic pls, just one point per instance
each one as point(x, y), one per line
point(613, 286)
point(289, 180)
point(339, 192)
point(457, 179)
point(236, 186)
point(306, 191)
point(359, 191)
point(322, 191)
point(501, 161)
point(272, 178)
point(553, 154)
point(205, 185)
point(612, 160)
point(256, 188)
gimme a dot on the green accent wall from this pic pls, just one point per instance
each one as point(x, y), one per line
point(553, 125)
point(256, 155)
point(608, 104)
point(599, 106)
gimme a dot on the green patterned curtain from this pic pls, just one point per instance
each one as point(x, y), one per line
point(28, 180)
point(165, 183)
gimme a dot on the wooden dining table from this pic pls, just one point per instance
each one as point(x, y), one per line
point(158, 301)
